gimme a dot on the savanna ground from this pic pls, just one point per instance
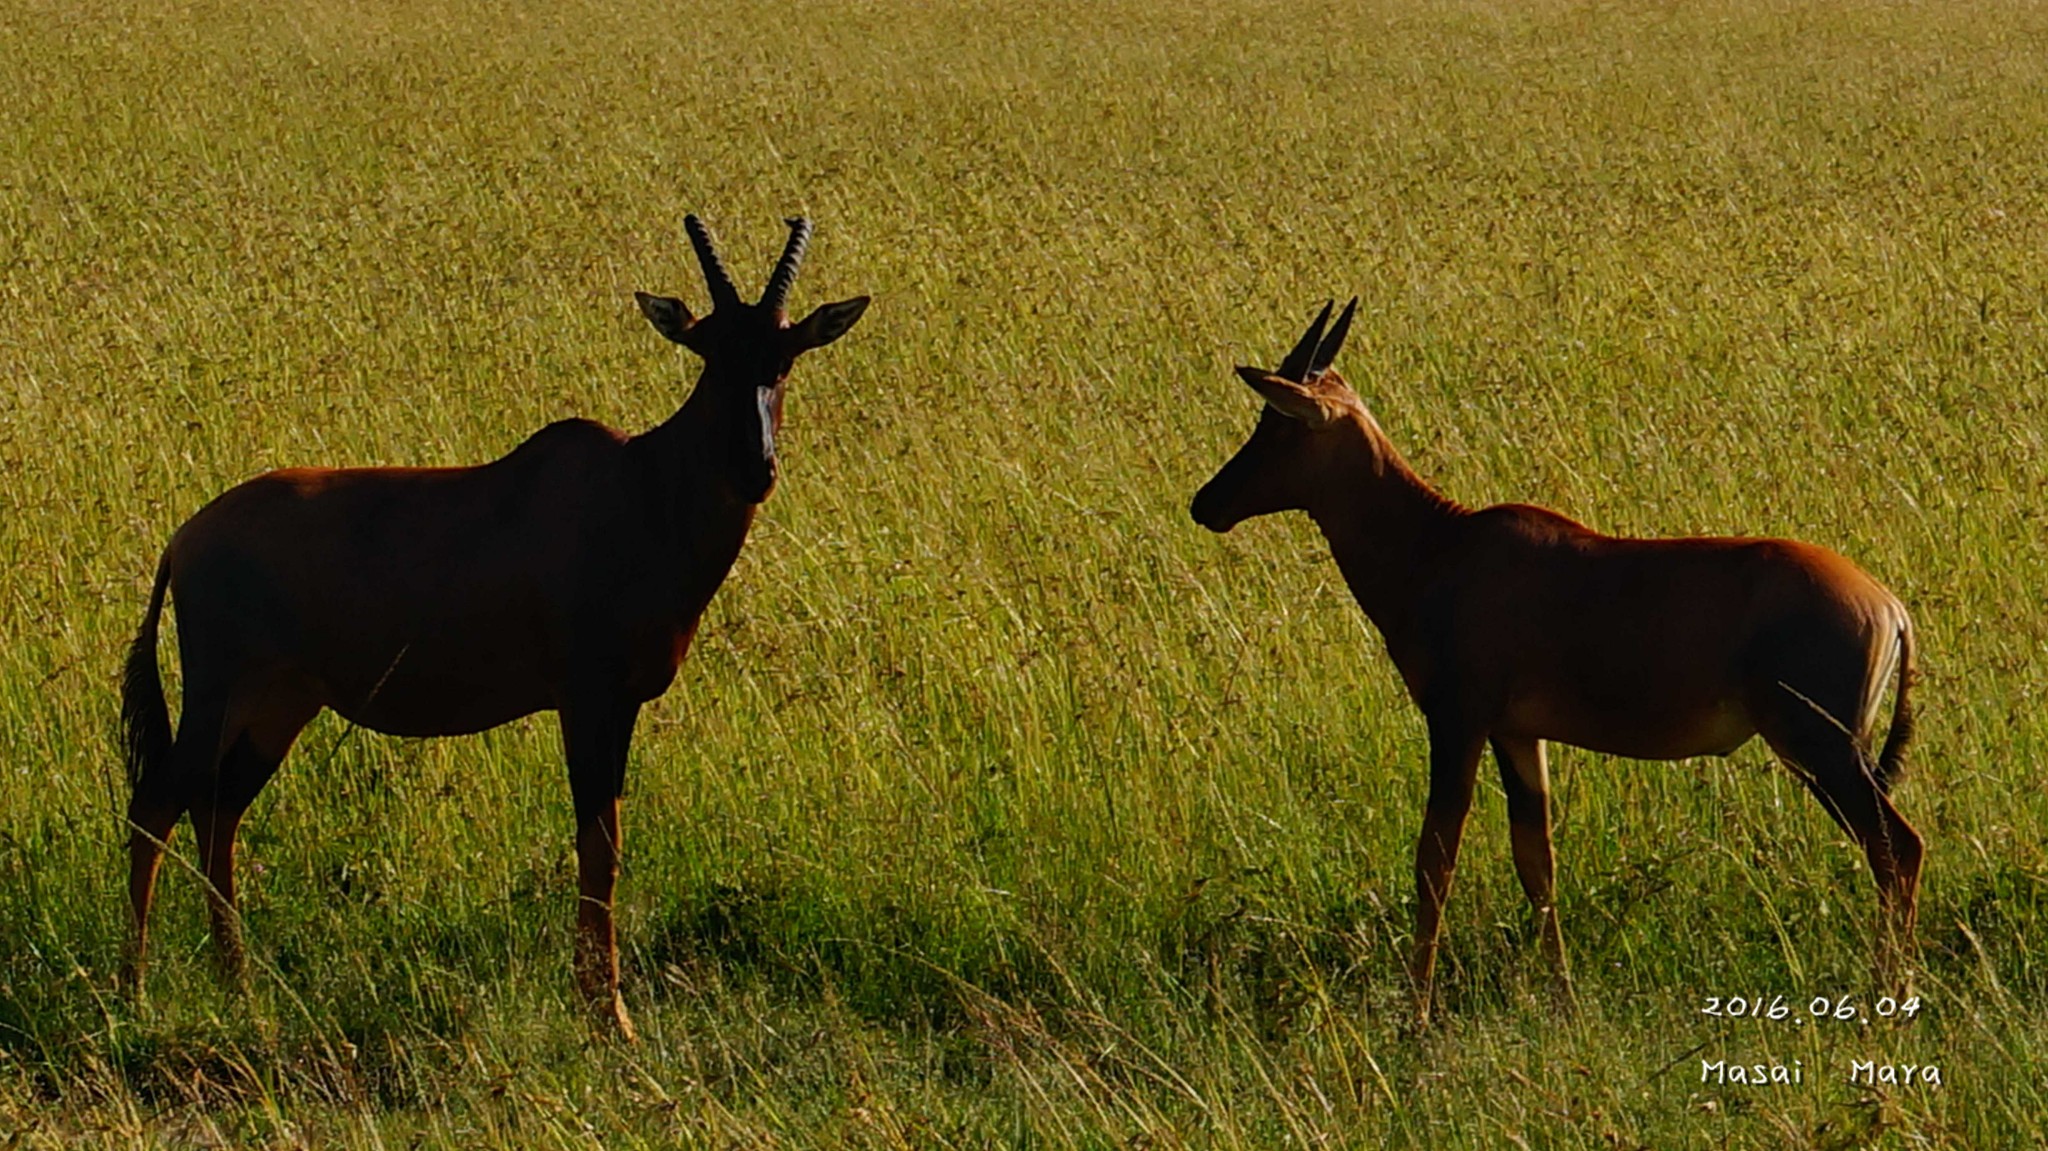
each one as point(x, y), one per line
point(999, 803)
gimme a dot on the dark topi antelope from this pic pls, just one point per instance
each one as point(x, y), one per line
point(568, 575)
point(1512, 625)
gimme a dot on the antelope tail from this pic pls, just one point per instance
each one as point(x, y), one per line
point(145, 723)
point(1891, 762)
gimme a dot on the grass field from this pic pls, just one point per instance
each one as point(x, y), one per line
point(999, 803)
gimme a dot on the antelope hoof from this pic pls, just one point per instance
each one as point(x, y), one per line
point(1563, 999)
point(233, 968)
point(1895, 974)
point(607, 1007)
point(1895, 961)
point(128, 981)
point(612, 1018)
point(1419, 1010)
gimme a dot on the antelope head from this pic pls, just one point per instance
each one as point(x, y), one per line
point(1312, 420)
point(747, 351)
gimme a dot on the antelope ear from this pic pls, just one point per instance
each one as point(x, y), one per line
point(828, 323)
point(668, 315)
point(1287, 397)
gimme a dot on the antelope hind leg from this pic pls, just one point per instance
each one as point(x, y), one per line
point(1525, 777)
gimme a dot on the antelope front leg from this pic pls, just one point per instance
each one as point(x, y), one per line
point(597, 951)
point(1525, 776)
point(596, 745)
point(1453, 764)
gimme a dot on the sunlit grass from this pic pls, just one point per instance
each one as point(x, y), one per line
point(999, 803)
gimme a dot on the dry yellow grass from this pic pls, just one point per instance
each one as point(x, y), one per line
point(1000, 803)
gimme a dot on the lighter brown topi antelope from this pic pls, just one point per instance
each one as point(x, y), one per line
point(1512, 625)
point(569, 575)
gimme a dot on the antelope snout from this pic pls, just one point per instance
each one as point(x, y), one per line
point(1208, 510)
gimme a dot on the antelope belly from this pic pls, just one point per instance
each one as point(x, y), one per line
point(1669, 732)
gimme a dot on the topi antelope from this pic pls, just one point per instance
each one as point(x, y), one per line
point(1512, 625)
point(568, 575)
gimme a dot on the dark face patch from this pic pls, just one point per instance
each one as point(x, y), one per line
point(1255, 481)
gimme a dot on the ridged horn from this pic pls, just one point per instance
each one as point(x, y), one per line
point(715, 275)
point(1295, 366)
point(785, 268)
point(1334, 342)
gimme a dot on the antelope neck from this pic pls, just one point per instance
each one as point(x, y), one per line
point(1381, 521)
point(679, 459)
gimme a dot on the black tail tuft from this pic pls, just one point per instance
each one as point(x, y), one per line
point(145, 722)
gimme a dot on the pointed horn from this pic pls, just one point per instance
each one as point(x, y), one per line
point(1295, 366)
point(715, 275)
point(1334, 342)
point(785, 269)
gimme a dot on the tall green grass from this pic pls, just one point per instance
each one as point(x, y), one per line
point(999, 804)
